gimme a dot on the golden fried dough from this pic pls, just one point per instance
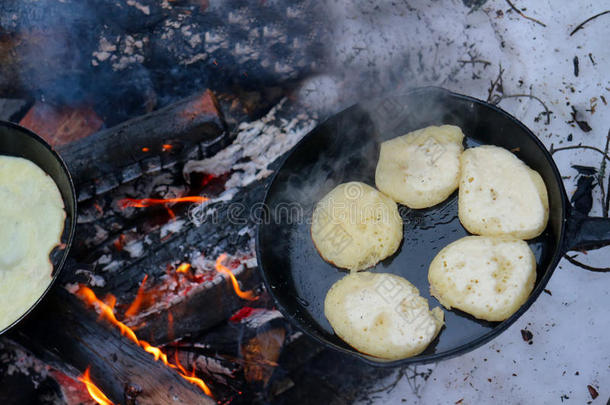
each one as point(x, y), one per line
point(500, 195)
point(421, 169)
point(487, 277)
point(355, 226)
point(382, 315)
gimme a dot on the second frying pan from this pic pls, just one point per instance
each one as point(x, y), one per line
point(345, 148)
point(21, 142)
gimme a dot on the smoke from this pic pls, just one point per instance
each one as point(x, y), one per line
point(380, 47)
point(128, 57)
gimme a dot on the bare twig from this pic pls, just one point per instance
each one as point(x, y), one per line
point(413, 379)
point(523, 15)
point(582, 24)
point(585, 266)
point(496, 85)
point(475, 61)
point(600, 178)
point(607, 203)
point(554, 150)
point(547, 112)
point(390, 387)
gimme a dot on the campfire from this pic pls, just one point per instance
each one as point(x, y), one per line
point(161, 301)
point(172, 116)
point(163, 273)
point(107, 312)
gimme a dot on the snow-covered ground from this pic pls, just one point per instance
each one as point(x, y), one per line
point(391, 44)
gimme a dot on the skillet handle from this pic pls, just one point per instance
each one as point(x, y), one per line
point(586, 233)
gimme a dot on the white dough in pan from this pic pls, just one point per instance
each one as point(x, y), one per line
point(31, 222)
point(500, 195)
point(421, 169)
point(382, 315)
point(355, 226)
point(487, 277)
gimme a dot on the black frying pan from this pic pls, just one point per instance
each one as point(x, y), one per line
point(20, 142)
point(345, 148)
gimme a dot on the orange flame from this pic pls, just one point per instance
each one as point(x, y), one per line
point(186, 375)
point(134, 308)
point(107, 312)
point(247, 295)
point(97, 395)
point(166, 147)
point(183, 268)
point(148, 202)
point(145, 149)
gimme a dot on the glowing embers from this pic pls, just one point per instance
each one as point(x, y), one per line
point(183, 268)
point(149, 202)
point(106, 310)
point(181, 278)
point(166, 147)
point(164, 202)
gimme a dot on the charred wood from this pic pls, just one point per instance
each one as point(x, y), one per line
point(150, 51)
point(102, 161)
point(204, 307)
point(73, 338)
point(197, 236)
point(241, 354)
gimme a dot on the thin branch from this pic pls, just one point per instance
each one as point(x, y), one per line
point(600, 178)
point(475, 61)
point(547, 112)
point(607, 203)
point(553, 150)
point(582, 24)
point(496, 85)
point(390, 387)
point(585, 266)
point(523, 15)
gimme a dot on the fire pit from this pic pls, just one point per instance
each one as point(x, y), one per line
point(172, 115)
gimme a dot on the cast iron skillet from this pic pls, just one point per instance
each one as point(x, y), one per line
point(20, 142)
point(345, 148)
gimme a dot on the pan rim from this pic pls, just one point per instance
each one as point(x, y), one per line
point(464, 348)
point(73, 213)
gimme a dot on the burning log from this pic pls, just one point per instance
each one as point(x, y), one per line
point(217, 297)
point(65, 334)
point(27, 380)
point(186, 129)
point(239, 355)
point(197, 236)
point(261, 354)
point(74, 339)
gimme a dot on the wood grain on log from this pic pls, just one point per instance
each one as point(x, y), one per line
point(104, 157)
point(74, 336)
